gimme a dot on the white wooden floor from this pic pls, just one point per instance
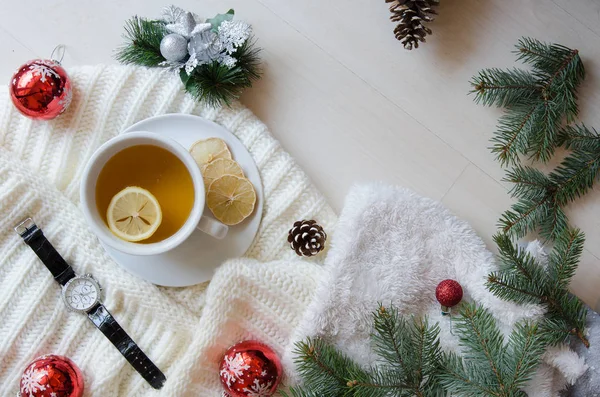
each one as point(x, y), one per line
point(348, 102)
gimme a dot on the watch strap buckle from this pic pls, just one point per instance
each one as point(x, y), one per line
point(25, 226)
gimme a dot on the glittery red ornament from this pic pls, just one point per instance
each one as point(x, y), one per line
point(250, 369)
point(51, 376)
point(41, 89)
point(449, 293)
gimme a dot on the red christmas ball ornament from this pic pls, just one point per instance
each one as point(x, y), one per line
point(250, 369)
point(41, 89)
point(449, 293)
point(51, 376)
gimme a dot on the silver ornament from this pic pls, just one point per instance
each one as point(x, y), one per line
point(181, 22)
point(205, 46)
point(173, 47)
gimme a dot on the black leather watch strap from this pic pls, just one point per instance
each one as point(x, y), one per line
point(34, 237)
point(117, 335)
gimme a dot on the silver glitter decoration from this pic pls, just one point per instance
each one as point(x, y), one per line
point(173, 47)
point(205, 46)
point(181, 22)
point(202, 43)
point(233, 34)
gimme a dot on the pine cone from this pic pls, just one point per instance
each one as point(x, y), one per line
point(412, 14)
point(307, 238)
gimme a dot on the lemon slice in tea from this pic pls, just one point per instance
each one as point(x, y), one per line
point(134, 214)
point(231, 199)
point(208, 150)
point(219, 167)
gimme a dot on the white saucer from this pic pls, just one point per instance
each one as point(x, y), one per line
point(196, 259)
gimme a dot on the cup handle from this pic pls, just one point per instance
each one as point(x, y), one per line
point(212, 227)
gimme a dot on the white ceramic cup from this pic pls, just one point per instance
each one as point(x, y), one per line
point(195, 220)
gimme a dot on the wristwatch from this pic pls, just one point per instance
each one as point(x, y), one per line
point(82, 294)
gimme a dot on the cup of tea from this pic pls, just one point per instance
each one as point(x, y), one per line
point(158, 166)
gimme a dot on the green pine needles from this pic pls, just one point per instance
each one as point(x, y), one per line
point(491, 366)
point(411, 362)
point(409, 353)
point(537, 104)
point(522, 279)
point(214, 83)
point(143, 39)
point(536, 101)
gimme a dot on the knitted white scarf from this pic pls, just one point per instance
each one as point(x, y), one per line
point(184, 331)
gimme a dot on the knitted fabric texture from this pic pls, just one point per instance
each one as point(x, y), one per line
point(184, 331)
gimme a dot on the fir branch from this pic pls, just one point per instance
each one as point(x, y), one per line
point(522, 279)
point(248, 58)
point(577, 173)
point(218, 84)
point(579, 137)
point(463, 378)
point(214, 83)
point(142, 46)
point(564, 259)
point(541, 198)
point(410, 349)
point(527, 344)
point(485, 340)
point(536, 101)
point(544, 136)
point(540, 201)
point(517, 261)
point(512, 288)
point(528, 183)
point(505, 88)
point(491, 367)
point(526, 215)
point(544, 57)
point(560, 67)
point(514, 127)
point(409, 354)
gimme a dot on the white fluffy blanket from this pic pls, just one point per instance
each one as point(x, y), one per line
point(393, 246)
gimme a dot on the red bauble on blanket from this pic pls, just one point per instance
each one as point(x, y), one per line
point(449, 293)
point(40, 89)
point(250, 369)
point(51, 376)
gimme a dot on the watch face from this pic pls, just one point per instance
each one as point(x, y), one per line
point(81, 293)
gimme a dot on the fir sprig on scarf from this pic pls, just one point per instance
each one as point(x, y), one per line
point(219, 60)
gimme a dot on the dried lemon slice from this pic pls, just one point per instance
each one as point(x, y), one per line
point(208, 150)
point(134, 214)
point(219, 167)
point(231, 199)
